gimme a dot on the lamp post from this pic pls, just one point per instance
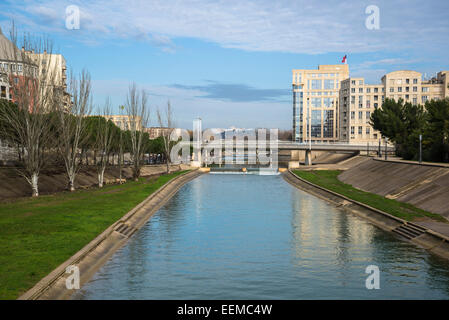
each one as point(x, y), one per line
point(380, 151)
point(309, 109)
point(420, 148)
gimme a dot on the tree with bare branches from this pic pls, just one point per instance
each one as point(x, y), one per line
point(35, 90)
point(105, 136)
point(138, 116)
point(166, 120)
point(72, 124)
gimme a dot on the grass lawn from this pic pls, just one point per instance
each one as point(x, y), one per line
point(328, 179)
point(37, 235)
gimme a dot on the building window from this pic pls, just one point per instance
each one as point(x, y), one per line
point(368, 90)
point(360, 130)
point(328, 102)
point(368, 115)
point(352, 114)
point(376, 98)
point(376, 90)
point(415, 100)
point(375, 105)
point(425, 89)
point(391, 89)
point(415, 89)
point(316, 84)
point(316, 123)
point(352, 130)
point(328, 124)
point(352, 90)
point(360, 115)
point(415, 81)
point(316, 102)
point(367, 131)
point(399, 89)
point(424, 99)
point(360, 90)
point(353, 82)
point(368, 104)
point(329, 84)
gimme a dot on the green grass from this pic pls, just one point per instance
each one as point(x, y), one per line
point(37, 235)
point(328, 179)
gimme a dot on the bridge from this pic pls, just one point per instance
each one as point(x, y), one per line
point(275, 146)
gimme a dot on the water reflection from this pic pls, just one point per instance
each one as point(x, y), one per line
point(253, 237)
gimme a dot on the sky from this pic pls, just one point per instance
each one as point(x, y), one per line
point(230, 62)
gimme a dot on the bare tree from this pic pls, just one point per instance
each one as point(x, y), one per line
point(120, 152)
point(105, 136)
point(35, 85)
point(166, 120)
point(138, 116)
point(71, 125)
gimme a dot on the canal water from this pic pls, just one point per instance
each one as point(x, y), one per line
point(256, 237)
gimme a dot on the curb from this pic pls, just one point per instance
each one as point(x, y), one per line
point(414, 163)
point(93, 255)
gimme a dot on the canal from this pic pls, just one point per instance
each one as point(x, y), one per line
point(256, 237)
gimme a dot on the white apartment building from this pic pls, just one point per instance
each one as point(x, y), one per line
point(358, 100)
point(315, 102)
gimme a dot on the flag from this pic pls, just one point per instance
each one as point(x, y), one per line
point(344, 59)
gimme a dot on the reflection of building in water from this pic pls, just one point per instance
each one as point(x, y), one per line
point(197, 192)
point(313, 226)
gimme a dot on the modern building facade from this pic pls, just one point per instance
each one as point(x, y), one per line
point(358, 100)
point(16, 65)
point(315, 102)
point(124, 122)
point(330, 106)
point(156, 132)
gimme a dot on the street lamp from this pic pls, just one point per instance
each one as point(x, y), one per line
point(309, 109)
point(420, 148)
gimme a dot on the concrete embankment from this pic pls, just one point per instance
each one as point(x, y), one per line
point(98, 251)
point(52, 180)
point(424, 186)
point(426, 238)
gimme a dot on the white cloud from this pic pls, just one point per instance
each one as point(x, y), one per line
point(287, 26)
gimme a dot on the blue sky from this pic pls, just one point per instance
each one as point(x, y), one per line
point(230, 62)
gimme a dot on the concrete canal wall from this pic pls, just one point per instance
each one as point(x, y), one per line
point(13, 185)
point(98, 251)
point(424, 186)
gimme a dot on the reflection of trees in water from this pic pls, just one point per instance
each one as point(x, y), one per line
point(155, 233)
point(438, 272)
point(409, 263)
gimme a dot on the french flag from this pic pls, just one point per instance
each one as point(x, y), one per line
point(344, 59)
